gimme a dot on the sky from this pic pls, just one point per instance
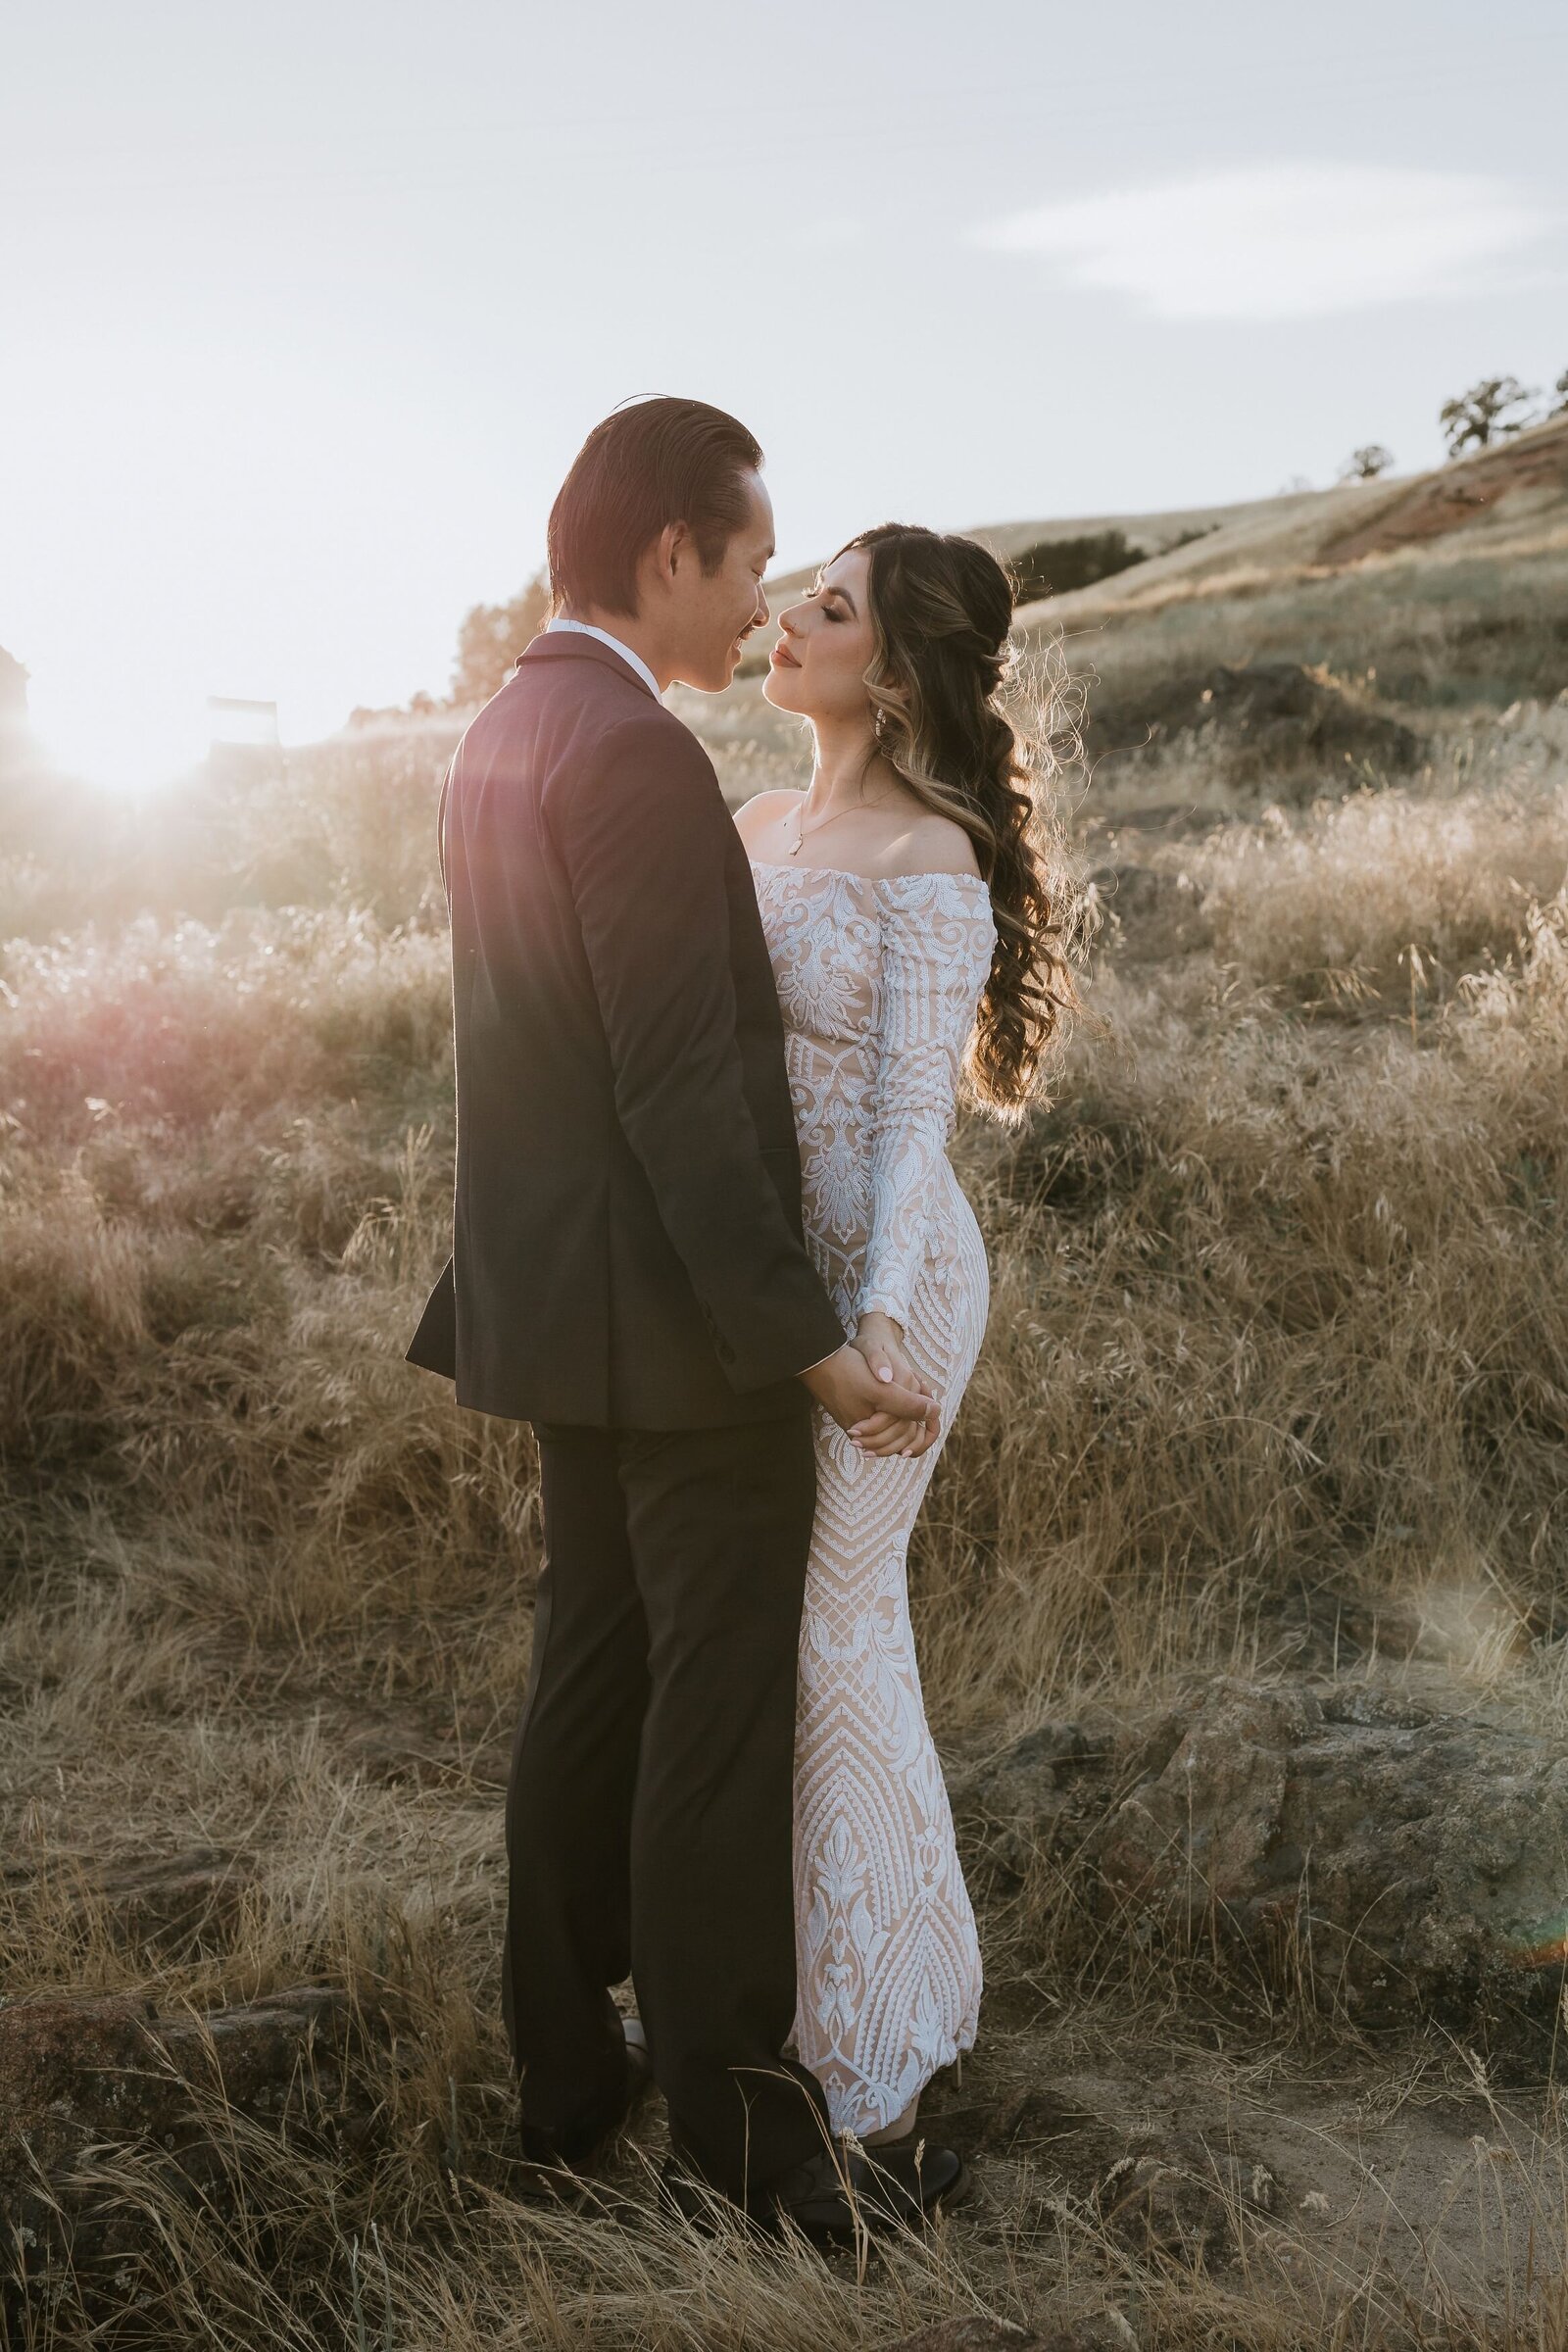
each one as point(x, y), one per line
point(304, 309)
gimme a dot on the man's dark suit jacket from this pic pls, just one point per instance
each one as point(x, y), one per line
point(626, 1228)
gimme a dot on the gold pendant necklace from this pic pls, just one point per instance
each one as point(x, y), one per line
point(800, 818)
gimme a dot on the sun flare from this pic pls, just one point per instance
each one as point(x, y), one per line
point(126, 738)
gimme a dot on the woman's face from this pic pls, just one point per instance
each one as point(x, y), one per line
point(825, 645)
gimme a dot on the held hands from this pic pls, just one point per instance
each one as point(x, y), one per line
point(883, 1404)
point(881, 1342)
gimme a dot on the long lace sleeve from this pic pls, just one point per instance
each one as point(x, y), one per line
point(936, 951)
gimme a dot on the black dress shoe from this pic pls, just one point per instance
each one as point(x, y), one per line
point(811, 2194)
point(829, 2199)
point(682, 2193)
point(835, 2197)
point(567, 2149)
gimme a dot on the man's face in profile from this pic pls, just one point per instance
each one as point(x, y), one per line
point(724, 606)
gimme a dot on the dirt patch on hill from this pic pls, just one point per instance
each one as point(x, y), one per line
point(1290, 2178)
point(1463, 495)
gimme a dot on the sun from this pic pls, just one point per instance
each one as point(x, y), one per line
point(124, 735)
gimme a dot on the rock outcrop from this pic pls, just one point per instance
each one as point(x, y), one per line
point(82, 2073)
point(1350, 1846)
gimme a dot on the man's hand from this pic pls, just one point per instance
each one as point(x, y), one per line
point(878, 1414)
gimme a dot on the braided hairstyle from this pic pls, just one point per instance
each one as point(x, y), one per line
point(941, 610)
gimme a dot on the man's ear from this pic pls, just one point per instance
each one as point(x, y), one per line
point(655, 566)
point(674, 548)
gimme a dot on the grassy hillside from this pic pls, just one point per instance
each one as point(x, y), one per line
point(1157, 531)
point(1279, 1342)
point(1428, 600)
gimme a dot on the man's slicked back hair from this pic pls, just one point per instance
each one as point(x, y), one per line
point(649, 464)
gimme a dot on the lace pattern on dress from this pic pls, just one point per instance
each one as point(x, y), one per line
point(878, 981)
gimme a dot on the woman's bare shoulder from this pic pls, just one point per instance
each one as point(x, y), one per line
point(927, 844)
point(754, 816)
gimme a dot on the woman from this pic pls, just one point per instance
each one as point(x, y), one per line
point(913, 938)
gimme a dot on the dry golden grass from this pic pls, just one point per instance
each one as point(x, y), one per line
point(1281, 1301)
point(1392, 896)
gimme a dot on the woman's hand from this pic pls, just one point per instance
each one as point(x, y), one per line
point(845, 1386)
point(881, 1342)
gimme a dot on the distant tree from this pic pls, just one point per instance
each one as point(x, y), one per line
point(1481, 415)
point(1365, 463)
point(1560, 407)
point(491, 638)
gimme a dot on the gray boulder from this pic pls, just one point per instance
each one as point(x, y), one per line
point(85, 2074)
point(1350, 1846)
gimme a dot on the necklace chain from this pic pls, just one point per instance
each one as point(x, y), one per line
point(801, 828)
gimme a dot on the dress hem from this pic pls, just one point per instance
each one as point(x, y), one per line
point(957, 2046)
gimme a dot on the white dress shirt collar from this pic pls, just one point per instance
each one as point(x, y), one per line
point(585, 628)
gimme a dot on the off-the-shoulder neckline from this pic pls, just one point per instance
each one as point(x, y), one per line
point(845, 873)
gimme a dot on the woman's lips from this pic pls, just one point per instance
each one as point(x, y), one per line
point(781, 657)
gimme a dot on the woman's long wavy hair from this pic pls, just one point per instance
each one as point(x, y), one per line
point(941, 612)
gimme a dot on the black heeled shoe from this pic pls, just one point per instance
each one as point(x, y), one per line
point(919, 2173)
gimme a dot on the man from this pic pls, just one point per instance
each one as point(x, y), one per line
point(628, 1274)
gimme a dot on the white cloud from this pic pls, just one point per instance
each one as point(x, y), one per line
point(1279, 241)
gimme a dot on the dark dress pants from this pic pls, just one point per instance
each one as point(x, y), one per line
point(648, 1814)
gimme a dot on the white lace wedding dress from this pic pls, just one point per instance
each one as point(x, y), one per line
point(878, 981)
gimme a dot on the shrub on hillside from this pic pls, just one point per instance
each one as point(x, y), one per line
point(1056, 566)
